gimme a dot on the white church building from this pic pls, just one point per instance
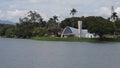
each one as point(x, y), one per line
point(78, 33)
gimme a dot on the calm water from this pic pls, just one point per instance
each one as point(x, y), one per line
point(21, 53)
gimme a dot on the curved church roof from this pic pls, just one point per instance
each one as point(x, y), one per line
point(73, 31)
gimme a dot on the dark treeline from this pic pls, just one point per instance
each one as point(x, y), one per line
point(33, 25)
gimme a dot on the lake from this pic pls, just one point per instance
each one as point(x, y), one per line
point(25, 53)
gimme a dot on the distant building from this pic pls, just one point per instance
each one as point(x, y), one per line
point(78, 33)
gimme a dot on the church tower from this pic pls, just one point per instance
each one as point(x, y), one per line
point(79, 28)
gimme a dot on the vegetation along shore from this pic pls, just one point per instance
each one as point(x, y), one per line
point(77, 39)
point(34, 26)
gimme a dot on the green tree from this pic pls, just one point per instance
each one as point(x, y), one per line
point(2, 31)
point(71, 21)
point(4, 27)
point(52, 26)
point(117, 26)
point(38, 32)
point(52, 22)
point(99, 26)
point(10, 32)
point(25, 28)
point(54, 31)
point(34, 18)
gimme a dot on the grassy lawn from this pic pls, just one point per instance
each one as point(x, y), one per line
point(76, 39)
point(64, 39)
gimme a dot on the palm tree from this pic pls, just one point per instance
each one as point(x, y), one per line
point(52, 22)
point(114, 18)
point(55, 18)
point(72, 12)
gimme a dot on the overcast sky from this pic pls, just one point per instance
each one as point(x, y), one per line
point(14, 9)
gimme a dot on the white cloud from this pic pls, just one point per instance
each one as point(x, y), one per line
point(1, 14)
point(103, 11)
point(117, 10)
point(12, 6)
point(0, 4)
point(48, 8)
point(33, 1)
point(14, 14)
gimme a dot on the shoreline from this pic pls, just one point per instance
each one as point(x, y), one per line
point(77, 39)
point(72, 39)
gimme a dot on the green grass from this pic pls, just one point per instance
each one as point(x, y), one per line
point(77, 39)
point(64, 39)
point(111, 39)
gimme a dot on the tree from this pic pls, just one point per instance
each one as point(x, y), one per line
point(24, 30)
point(52, 22)
point(52, 26)
point(4, 28)
point(113, 19)
point(71, 21)
point(34, 18)
point(54, 31)
point(27, 24)
point(55, 18)
point(117, 26)
point(73, 12)
point(38, 31)
point(2, 31)
point(99, 26)
point(10, 32)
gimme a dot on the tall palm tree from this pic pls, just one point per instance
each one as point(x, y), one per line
point(73, 12)
point(114, 18)
point(52, 22)
point(55, 18)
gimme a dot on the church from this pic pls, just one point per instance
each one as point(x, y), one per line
point(77, 33)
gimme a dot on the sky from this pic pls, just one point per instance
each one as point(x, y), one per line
point(12, 10)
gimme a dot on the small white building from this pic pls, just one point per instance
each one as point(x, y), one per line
point(78, 33)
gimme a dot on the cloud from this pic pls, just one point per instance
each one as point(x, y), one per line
point(117, 10)
point(12, 15)
point(1, 14)
point(12, 6)
point(34, 1)
point(103, 11)
point(13, 9)
point(0, 4)
point(15, 13)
